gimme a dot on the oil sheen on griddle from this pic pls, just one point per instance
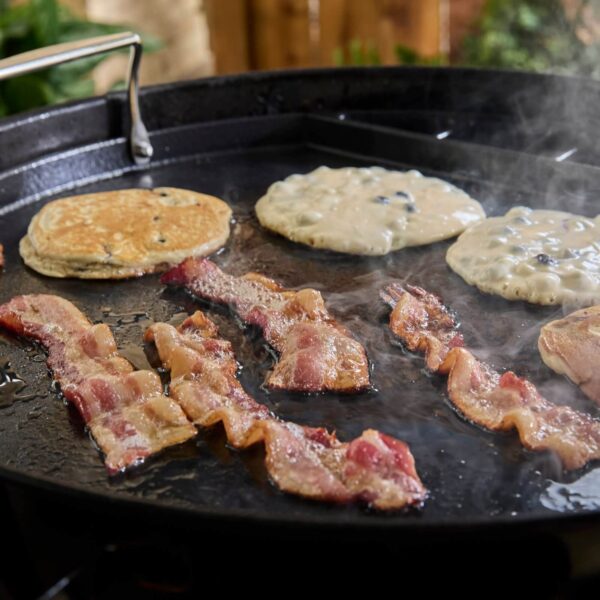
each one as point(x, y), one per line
point(11, 385)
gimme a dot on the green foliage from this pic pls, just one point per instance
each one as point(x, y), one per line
point(408, 56)
point(41, 23)
point(365, 54)
point(357, 54)
point(536, 35)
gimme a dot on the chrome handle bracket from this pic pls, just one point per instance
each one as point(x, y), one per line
point(27, 62)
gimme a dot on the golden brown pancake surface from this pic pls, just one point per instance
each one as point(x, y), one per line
point(124, 233)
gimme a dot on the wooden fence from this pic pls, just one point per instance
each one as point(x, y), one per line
point(270, 34)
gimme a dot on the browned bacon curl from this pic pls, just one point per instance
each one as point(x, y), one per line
point(375, 468)
point(126, 412)
point(487, 398)
point(316, 353)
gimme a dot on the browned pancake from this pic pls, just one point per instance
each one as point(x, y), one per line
point(571, 347)
point(124, 233)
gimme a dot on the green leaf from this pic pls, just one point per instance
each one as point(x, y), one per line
point(45, 21)
point(17, 28)
point(528, 18)
point(26, 92)
point(70, 90)
point(406, 55)
point(356, 53)
point(37, 23)
point(372, 55)
point(532, 34)
point(76, 69)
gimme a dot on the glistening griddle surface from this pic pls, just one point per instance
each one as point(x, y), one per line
point(473, 475)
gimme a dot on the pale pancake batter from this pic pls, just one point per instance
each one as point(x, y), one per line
point(367, 210)
point(542, 256)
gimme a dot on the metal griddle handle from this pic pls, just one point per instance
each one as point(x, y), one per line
point(20, 64)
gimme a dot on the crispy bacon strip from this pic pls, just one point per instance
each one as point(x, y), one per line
point(492, 400)
point(374, 468)
point(126, 412)
point(316, 353)
point(1, 257)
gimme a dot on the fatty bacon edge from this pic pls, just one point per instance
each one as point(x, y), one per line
point(126, 411)
point(375, 468)
point(492, 400)
point(316, 353)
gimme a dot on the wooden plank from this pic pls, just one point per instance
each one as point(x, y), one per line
point(416, 24)
point(279, 34)
point(383, 24)
point(463, 16)
point(332, 29)
point(297, 29)
point(363, 20)
point(391, 13)
point(426, 39)
point(228, 24)
point(267, 48)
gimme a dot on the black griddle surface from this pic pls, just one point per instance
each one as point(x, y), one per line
point(474, 476)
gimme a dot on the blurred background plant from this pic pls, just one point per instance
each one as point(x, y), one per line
point(554, 36)
point(537, 35)
point(40, 23)
point(365, 54)
point(358, 53)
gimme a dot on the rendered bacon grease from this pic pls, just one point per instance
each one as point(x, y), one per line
point(541, 256)
point(374, 468)
point(316, 353)
point(367, 210)
point(126, 411)
point(487, 398)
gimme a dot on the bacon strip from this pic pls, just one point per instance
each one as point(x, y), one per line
point(316, 352)
point(1, 257)
point(125, 410)
point(492, 400)
point(374, 468)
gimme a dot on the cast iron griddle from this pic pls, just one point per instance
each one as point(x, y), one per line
point(474, 476)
